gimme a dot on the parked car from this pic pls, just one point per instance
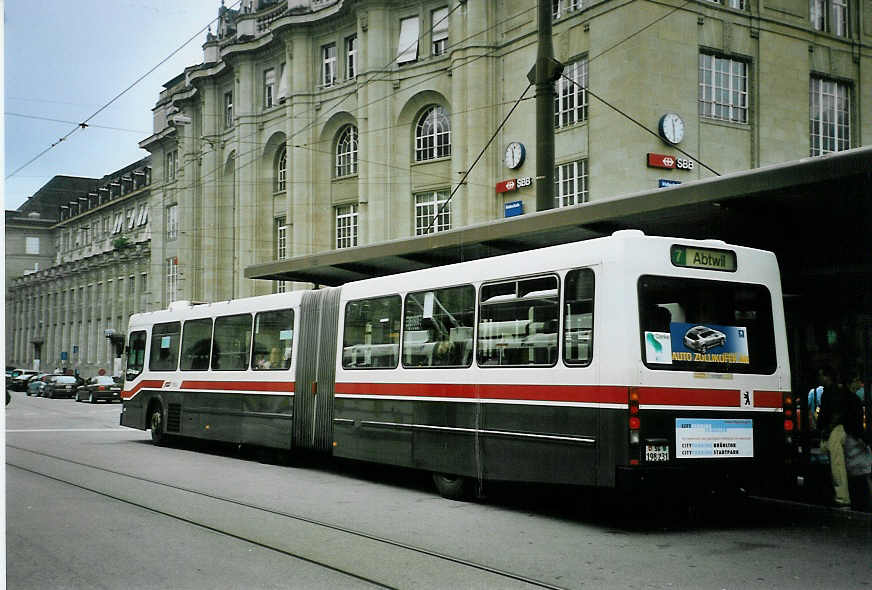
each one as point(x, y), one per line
point(37, 384)
point(19, 383)
point(60, 386)
point(99, 388)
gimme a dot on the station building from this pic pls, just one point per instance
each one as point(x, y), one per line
point(87, 240)
point(324, 125)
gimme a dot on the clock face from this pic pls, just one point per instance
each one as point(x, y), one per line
point(671, 128)
point(515, 153)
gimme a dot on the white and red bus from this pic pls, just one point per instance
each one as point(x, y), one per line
point(602, 363)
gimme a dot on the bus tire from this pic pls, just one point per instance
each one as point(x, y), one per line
point(453, 487)
point(156, 424)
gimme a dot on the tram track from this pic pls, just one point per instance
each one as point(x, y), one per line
point(493, 577)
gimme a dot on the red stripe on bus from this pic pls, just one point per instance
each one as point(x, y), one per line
point(140, 385)
point(671, 396)
point(281, 386)
point(768, 399)
point(556, 393)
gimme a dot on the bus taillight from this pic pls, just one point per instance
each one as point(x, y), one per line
point(635, 425)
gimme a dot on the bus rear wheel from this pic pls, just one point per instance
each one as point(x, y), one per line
point(155, 421)
point(453, 487)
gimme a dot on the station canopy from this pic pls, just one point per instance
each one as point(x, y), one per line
point(815, 213)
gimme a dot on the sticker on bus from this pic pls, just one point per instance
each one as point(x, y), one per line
point(714, 438)
point(709, 343)
point(658, 347)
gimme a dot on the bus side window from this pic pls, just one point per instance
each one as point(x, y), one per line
point(135, 355)
point(578, 319)
point(273, 340)
point(196, 345)
point(371, 333)
point(438, 327)
point(518, 322)
point(230, 345)
point(165, 346)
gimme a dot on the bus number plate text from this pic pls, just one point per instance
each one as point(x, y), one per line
point(656, 453)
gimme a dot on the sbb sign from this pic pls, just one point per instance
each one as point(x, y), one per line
point(669, 162)
point(513, 184)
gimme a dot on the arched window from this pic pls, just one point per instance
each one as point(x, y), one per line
point(281, 170)
point(433, 134)
point(346, 151)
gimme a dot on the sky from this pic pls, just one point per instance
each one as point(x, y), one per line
point(65, 60)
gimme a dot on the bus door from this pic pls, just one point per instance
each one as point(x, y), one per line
point(316, 370)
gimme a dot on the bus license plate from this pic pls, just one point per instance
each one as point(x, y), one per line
point(656, 453)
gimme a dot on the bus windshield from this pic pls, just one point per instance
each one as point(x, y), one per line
point(706, 326)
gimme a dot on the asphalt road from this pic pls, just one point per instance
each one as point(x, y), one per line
point(94, 505)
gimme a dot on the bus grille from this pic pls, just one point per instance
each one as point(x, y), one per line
point(174, 417)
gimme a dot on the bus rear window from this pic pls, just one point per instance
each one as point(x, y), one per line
point(706, 326)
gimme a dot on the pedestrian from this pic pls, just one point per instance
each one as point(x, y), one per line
point(835, 409)
point(814, 405)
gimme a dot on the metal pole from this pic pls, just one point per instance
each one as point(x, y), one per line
point(543, 75)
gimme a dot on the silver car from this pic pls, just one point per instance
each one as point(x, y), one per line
point(702, 339)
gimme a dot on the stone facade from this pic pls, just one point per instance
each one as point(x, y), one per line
point(317, 124)
point(96, 275)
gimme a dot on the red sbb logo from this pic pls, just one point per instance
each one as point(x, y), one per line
point(513, 184)
point(668, 162)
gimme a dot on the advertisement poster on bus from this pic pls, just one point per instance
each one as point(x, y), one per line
point(709, 343)
point(713, 438)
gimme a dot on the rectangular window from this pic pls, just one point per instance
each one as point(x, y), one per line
point(171, 164)
point(31, 245)
point(560, 8)
point(839, 18)
point(228, 110)
point(281, 286)
point(438, 327)
point(571, 183)
point(518, 322)
point(350, 57)
point(230, 344)
point(131, 218)
point(346, 226)
point(135, 354)
point(165, 346)
point(371, 334)
point(328, 65)
point(439, 20)
point(830, 16)
point(723, 88)
point(119, 223)
point(830, 116)
point(273, 340)
point(407, 48)
point(142, 215)
point(172, 222)
point(570, 95)
point(196, 345)
point(705, 326)
point(269, 87)
point(131, 285)
point(426, 206)
point(281, 238)
point(578, 318)
point(172, 274)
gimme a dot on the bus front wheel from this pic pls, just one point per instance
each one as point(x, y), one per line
point(453, 487)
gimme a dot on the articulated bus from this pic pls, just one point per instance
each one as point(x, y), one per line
point(610, 363)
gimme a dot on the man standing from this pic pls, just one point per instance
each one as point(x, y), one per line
point(835, 407)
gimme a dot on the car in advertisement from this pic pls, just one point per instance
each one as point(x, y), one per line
point(702, 339)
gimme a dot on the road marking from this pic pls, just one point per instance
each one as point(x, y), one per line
point(70, 430)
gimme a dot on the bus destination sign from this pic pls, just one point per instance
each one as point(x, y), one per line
point(703, 258)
